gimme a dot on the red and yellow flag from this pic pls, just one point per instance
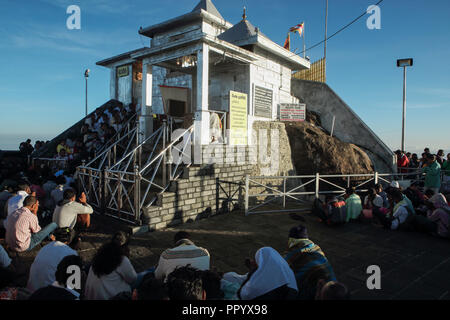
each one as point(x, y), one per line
point(287, 43)
point(298, 28)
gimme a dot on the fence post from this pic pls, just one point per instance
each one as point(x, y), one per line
point(105, 190)
point(90, 182)
point(240, 195)
point(164, 178)
point(284, 192)
point(217, 195)
point(317, 185)
point(137, 194)
point(246, 193)
point(119, 194)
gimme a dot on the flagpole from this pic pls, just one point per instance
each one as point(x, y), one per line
point(326, 29)
point(304, 44)
point(325, 45)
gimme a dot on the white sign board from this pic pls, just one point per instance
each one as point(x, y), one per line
point(292, 111)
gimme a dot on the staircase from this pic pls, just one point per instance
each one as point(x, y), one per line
point(49, 150)
point(128, 178)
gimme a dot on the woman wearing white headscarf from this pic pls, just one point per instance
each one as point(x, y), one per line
point(270, 279)
point(440, 216)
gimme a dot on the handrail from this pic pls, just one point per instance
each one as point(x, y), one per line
point(190, 129)
point(114, 137)
point(136, 148)
point(110, 147)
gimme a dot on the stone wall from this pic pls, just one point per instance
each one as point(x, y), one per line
point(193, 196)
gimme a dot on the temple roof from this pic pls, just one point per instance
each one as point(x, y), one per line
point(240, 32)
point(209, 7)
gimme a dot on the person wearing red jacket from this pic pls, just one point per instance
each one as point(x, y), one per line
point(402, 161)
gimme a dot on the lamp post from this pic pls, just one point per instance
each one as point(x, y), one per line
point(403, 63)
point(86, 76)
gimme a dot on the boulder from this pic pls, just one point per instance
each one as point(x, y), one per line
point(314, 151)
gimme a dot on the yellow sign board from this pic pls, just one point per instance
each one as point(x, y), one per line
point(238, 118)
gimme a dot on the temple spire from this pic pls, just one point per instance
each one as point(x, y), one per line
point(244, 16)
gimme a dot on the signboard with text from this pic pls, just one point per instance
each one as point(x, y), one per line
point(292, 111)
point(122, 71)
point(263, 99)
point(238, 118)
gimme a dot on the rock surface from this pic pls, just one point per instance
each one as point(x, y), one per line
point(314, 151)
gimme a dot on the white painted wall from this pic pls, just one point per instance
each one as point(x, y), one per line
point(124, 88)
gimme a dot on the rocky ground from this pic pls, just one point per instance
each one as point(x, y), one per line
point(413, 266)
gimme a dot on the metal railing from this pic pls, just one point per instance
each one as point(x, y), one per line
point(128, 126)
point(133, 183)
point(284, 191)
point(54, 164)
point(228, 195)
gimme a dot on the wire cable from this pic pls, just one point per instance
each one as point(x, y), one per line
point(340, 30)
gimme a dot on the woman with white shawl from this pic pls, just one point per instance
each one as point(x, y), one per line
point(271, 278)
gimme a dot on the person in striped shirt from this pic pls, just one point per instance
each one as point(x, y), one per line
point(185, 253)
point(23, 232)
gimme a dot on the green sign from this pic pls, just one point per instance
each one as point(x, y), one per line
point(123, 71)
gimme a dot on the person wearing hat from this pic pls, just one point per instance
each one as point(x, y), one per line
point(432, 174)
point(308, 262)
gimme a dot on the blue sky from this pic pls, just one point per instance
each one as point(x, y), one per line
point(42, 62)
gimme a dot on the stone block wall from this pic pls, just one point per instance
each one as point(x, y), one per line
point(193, 196)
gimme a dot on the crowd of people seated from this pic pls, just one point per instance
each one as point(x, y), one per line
point(303, 274)
point(97, 129)
point(45, 211)
point(395, 208)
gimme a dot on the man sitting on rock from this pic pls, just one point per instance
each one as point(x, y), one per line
point(185, 253)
